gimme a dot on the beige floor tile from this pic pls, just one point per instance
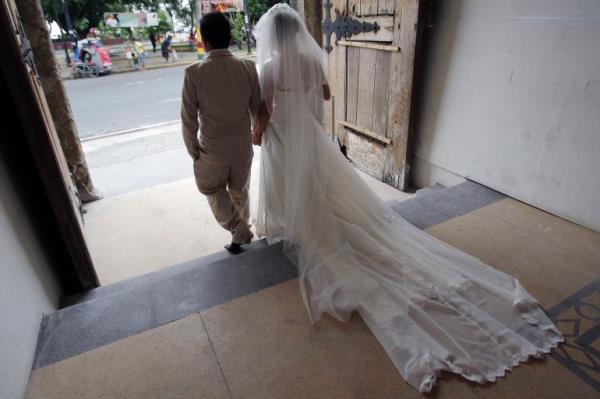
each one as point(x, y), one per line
point(568, 236)
point(548, 272)
point(268, 349)
point(172, 361)
point(540, 379)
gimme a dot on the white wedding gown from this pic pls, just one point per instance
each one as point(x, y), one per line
point(431, 306)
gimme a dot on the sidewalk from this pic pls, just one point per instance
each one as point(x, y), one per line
point(120, 64)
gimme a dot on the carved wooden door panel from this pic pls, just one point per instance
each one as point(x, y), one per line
point(371, 56)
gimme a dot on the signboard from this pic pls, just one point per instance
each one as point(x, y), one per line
point(138, 19)
point(222, 6)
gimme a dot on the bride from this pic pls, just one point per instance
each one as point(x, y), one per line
point(431, 306)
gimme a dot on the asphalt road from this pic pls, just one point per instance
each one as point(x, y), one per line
point(125, 101)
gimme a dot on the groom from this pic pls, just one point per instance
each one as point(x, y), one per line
point(224, 92)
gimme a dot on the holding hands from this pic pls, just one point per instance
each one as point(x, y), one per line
point(262, 121)
point(256, 137)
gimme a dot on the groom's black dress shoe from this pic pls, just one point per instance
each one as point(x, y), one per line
point(234, 248)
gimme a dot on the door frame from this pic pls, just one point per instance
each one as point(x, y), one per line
point(26, 93)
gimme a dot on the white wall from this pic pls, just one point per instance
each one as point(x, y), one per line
point(26, 292)
point(511, 99)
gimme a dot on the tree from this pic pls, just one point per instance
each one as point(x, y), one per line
point(163, 23)
point(56, 95)
point(52, 11)
point(237, 28)
point(256, 8)
point(82, 15)
point(183, 9)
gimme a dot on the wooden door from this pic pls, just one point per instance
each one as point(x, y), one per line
point(25, 88)
point(371, 76)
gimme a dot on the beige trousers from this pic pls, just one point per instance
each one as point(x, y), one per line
point(226, 188)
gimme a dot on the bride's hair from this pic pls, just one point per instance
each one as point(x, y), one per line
point(287, 56)
point(287, 24)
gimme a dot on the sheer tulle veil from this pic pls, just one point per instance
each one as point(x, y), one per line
point(431, 306)
point(287, 52)
point(291, 71)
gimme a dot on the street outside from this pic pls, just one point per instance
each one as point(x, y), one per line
point(130, 129)
point(126, 100)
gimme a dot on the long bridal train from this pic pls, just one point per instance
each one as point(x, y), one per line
point(431, 306)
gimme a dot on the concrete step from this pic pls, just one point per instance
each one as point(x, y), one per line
point(429, 190)
point(140, 304)
point(438, 205)
point(163, 273)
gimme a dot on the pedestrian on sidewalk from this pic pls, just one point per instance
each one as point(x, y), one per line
point(131, 54)
point(153, 41)
point(192, 40)
point(165, 47)
point(141, 54)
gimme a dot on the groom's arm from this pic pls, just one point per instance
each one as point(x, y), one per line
point(255, 94)
point(262, 121)
point(189, 116)
point(258, 108)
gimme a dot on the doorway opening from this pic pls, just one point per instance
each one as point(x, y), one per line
point(151, 215)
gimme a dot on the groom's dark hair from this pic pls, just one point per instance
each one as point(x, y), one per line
point(216, 30)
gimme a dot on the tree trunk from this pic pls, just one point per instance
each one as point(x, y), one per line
point(35, 28)
point(66, 47)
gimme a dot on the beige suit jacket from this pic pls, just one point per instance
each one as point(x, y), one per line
point(224, 92)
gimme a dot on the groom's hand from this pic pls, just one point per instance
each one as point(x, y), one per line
point(256, 138)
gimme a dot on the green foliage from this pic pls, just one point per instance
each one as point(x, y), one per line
point(184, 10)
point(85, 14)
point(52, 9)
point(238, 29)
point(256, 8)
point(164, 23)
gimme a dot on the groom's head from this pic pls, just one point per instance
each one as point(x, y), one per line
point(215, 30)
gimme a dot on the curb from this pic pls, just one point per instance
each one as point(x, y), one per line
point(116, 72)
point(160, 66)
point(163, 66)
point(127, 131)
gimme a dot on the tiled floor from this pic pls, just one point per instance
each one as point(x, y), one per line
point(172, 361)
point(262, 345)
